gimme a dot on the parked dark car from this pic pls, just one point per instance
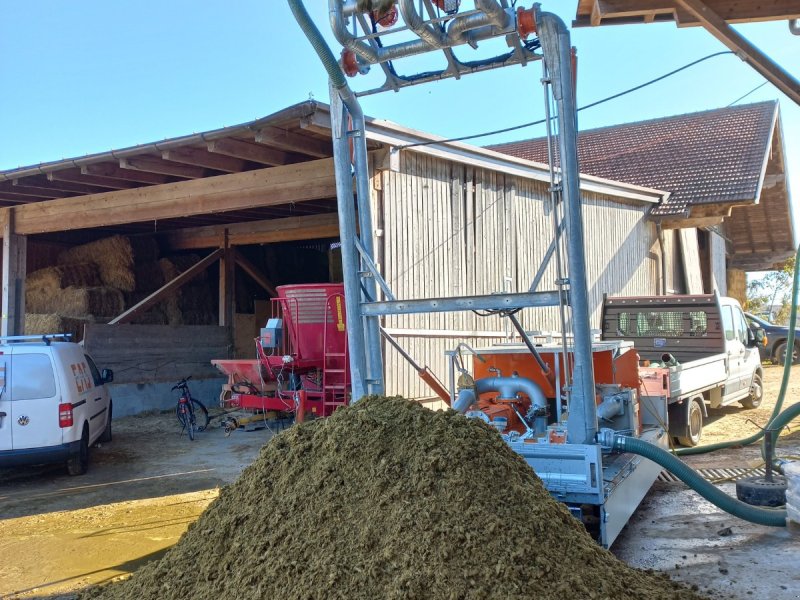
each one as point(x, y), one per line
point(775, 349)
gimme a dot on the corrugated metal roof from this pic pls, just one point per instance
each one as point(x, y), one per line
point(714, 156)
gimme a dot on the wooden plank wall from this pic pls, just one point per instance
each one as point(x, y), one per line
point(676, 281)
point(718, 262)
point(157, 353)
point(448, 230)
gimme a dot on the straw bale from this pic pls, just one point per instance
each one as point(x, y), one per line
point(114, 257)
point(57, 278)
point(36, 324)
point(77, 302)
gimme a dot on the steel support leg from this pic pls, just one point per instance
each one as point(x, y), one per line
point(556, 48)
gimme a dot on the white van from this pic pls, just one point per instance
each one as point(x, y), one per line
point(54, 403)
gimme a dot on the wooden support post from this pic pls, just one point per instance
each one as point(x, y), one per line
point(170, 286)
point(226, 283)
point(14, 259)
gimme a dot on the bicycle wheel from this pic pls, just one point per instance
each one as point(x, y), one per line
point(200, 413)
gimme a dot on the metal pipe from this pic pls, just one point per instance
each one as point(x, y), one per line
point(794, 26)
point(433, 36)
point(358, 138)
point(663, 265)
point(555, 39)
point(347, 232)
point(506, 387)
point(527, 341)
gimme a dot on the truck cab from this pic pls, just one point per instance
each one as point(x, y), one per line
point(54, 403)
point(696, 350)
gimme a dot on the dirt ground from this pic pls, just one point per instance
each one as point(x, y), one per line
point(59, 534)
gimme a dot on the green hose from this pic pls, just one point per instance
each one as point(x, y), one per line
point(787, 368)
point(761, 516)
point(318, 42)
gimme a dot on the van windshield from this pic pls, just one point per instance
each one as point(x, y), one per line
point(32, 377)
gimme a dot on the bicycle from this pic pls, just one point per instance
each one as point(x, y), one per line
point(191, 413)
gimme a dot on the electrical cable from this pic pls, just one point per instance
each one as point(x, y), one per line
point(592, 105)
point(758, 87)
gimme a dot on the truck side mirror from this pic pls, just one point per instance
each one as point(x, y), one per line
point(107, 375)
point(756, 336)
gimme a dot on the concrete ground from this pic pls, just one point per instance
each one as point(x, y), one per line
point(59, 534)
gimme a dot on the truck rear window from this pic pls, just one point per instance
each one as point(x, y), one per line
point(662, 323)
point(32, 377)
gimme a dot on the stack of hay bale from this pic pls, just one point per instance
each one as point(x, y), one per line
point(87, 286)
point(95, 282)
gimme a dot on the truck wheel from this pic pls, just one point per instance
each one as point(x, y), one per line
point(779, 357)
point(78, 463)
point(106, 435)
point(756, 393)
point(694, 425)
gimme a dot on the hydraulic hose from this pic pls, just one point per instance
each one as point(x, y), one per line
point(787, 368)
point(761, 516)
point(318, 42)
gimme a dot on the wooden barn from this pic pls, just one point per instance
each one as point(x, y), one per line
point(211, 223)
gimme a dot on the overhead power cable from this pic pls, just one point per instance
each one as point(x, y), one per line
point(758, 87)
point(593, 104)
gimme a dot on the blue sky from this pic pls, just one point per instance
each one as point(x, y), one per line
point(86, 77)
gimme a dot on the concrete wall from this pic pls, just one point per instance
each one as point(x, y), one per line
point(135, 398)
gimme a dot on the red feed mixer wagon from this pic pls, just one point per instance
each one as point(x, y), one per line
point(302, 364)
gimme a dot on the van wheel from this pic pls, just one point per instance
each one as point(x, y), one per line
point(106, 435)
point(78, 463)
point(756, 393)
point(694, 425)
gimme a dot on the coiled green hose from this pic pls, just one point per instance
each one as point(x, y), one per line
point(761, 516)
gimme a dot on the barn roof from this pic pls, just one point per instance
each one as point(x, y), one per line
point(711, 162)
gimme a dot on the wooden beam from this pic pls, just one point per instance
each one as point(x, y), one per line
point(247, 151)
point(293, 142)
point(170, 286)
point(613, 12)
point(150, 164)
point(112, 170)
point(33, 190)
point(312, 180)
point(683, 223)
point(17, 198)
point(202, 158)
point(75, 175)
point(255, 232)
point(256, 274)
point(769, 69)
point(14, 262)
point(227, 274)
point(62, 186)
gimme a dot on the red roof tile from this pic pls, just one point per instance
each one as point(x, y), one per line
point(712, 156)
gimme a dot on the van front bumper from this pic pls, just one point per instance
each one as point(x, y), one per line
point(38, 456)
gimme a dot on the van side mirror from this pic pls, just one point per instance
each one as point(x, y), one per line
point(756, 336)
point(107, 375)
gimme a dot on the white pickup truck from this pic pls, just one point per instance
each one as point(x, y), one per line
point(697, 350)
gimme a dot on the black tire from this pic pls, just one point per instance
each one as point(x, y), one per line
point(758, 492)
point(106, 435)
point(694, 425)
point(78, 463)
point(201, 417)
point(779, 355)
point(756, 393)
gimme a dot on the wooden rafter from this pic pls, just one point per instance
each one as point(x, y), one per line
point(151, 164)
point(75, 176)
point(166, 289)
point(62, 186)
point(247, 151)
point(294, 142)
point(31, 190)
point(207, 160)
point(254, 272)
point(113, 171)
